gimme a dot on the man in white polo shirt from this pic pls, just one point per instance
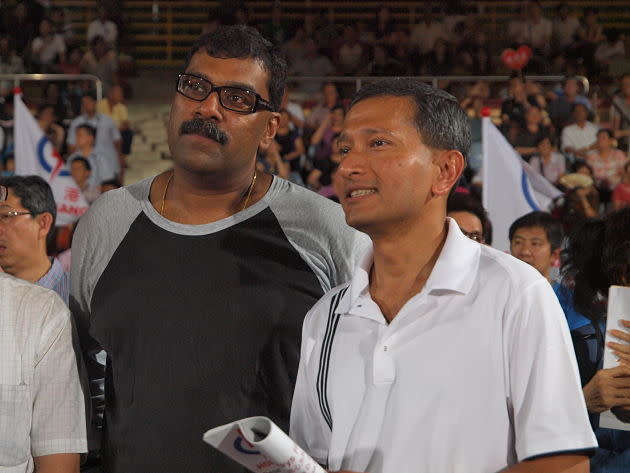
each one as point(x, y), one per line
point(441, 354)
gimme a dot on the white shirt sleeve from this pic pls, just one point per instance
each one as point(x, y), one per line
point(549, 411)
point(58, 422)
point(565, 138)
point(71, 139)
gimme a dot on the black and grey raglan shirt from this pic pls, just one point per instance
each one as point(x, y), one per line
point(201, 323)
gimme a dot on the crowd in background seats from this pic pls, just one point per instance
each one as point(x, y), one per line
point(556, 127)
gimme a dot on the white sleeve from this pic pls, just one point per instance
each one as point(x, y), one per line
point(549, 411)
point(565, 139)
point(71, 139)
point(58, 422)
point(115, 132)
point(308, 428)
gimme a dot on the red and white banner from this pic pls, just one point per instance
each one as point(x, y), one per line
point(35, 155)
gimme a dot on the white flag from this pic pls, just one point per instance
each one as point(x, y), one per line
point(35, 155)
point(511, 188)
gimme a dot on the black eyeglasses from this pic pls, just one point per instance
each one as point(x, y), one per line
point(7, 216)
point(232, 98)
point(476, 236)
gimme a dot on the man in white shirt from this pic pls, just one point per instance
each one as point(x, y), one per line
point(102, 26)
point(565, 27)
point(42, 410)
point(108, 142)
point(427, 32)
point(441, 354)
point(538, 28)
point(27, 219)
point(580, 137)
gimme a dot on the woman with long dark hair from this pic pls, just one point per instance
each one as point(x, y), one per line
point(598, 256)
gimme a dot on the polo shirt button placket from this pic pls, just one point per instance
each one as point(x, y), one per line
point(384, 367)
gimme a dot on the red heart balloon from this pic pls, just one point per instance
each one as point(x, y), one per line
point(518, 59)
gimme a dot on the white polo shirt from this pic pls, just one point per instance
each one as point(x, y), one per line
point(475, 373)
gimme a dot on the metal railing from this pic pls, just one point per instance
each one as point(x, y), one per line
point(19, 78)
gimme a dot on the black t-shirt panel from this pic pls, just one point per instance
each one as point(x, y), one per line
point(199, 331)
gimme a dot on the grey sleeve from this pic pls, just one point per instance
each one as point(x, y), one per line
point(317, 228)
point(98, 234)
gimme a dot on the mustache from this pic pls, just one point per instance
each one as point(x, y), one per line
point(205, 128)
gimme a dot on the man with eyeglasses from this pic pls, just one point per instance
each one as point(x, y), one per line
point(42, 412)
point(195, 282)
point(470, 216)
point(27, 218)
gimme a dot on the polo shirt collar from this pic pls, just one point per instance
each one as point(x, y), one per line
point(455, 269)
point(54, 274)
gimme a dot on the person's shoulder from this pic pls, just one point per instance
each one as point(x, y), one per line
point(503, 268)
point(25, 297)
point(304, 201)
point(78, 120)
point(111, 205)
point(317, 317)
point(106, 119)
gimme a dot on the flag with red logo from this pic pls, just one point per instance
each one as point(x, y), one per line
point(35, 155)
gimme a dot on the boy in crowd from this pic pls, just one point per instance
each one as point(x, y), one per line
point(535, 238)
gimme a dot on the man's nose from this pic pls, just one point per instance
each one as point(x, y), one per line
point(210, 107)
point(352, 163)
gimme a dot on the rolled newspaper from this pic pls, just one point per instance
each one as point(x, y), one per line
point(618, 309)
point(261, 446)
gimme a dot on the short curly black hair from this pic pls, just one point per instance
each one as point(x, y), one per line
point(240, 41)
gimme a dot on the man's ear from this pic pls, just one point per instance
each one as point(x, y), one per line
point(270, 131)
point(450, 164)
point(45, 222)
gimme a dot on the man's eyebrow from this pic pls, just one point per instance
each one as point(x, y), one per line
point(240, 85)
point(367, 131)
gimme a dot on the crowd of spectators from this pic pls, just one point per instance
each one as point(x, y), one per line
point(39, 39)
point(557, 127)
point(561, 132)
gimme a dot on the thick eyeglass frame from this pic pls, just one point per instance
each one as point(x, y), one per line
point(260, 103)
point(8, 215)
point(4, 192)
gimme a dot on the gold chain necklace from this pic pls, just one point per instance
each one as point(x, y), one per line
point(249, 192)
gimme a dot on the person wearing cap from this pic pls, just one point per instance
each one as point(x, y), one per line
point(108, 140)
